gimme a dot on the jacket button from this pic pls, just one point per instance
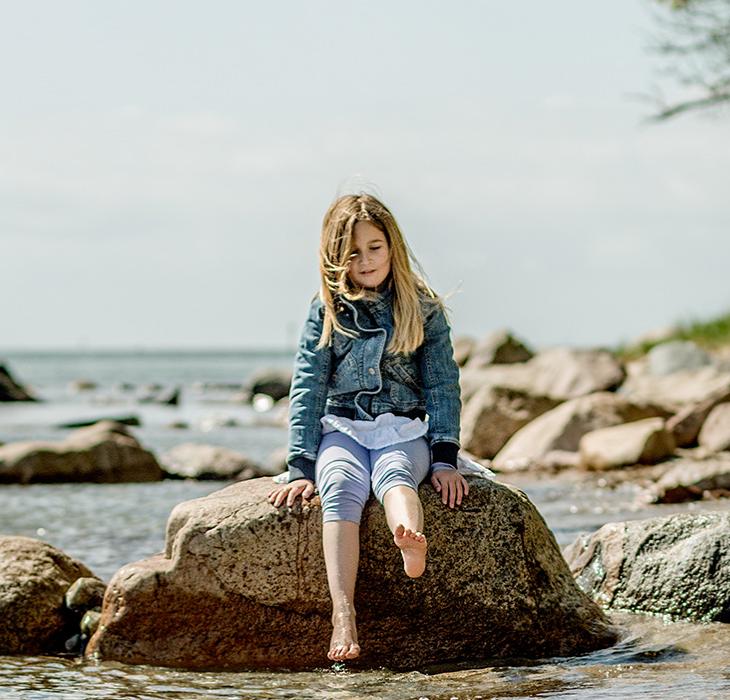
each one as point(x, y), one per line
point(371, 370)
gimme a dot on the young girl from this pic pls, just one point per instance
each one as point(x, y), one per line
point(374, 401)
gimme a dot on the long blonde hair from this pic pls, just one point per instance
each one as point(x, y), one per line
point(406, 276)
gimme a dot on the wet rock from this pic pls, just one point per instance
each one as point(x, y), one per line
point(195, 461)
point(164, 397)
point(104, 453)
point(677, 566)
point(675, 356)
point(274, 382)
point(497, 348)
point(494, 414)
point(231, 557)
point(85, 593)
point(685, 425)
point(560, 373)
point(178, 425)
point(10, 389)
point(463, 347)
point(79, 385)
point(691, 479)
point(676, 390)
point(639, 442)
point(122, 420)
point(564, 426)
point(90, 623)
point(715, 432)
point(34, 577)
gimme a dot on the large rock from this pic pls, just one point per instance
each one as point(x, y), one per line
point(494, 414)
point(561, 373)
point(242, 584)
point(498, 348)
point(10, 389)
point(715, 432)
point(639, 442)
point(677, 566)
point(675, 356)
point(34, 578)
point(677, 390)
point(691, 479)
point(195, 461)
point(563, 427)
point(104, 453)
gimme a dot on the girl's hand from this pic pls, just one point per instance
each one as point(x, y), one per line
point(289, 492)
point(451, 485)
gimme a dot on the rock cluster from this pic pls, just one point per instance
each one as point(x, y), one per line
point(564, 408)
point(44, 595)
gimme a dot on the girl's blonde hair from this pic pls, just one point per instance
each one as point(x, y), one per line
point(406, 275)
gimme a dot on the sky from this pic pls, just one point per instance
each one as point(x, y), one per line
point(165, 166)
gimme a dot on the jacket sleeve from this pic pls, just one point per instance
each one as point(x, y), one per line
point(307, 396)
point(442, 393)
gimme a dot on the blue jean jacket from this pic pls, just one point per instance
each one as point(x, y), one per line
point(357, 378)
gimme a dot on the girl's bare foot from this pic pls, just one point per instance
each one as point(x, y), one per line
point(344, 644)
point(413, 547)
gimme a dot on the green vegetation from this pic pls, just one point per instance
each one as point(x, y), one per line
point(710, 334)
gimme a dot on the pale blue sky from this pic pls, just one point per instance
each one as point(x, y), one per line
point(164, 167)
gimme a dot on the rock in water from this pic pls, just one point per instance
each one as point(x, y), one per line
point(104, 453)
point(34, 577)
point(677, 566)
point(10, 389)
point(242, 584)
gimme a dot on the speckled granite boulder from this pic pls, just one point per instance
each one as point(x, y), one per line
point(34, 578)
point(243, 585)
point(677, 566)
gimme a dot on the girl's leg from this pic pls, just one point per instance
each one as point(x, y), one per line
point(343, 479)
point(396, 473)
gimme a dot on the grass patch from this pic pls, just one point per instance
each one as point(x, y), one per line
point(711, 334)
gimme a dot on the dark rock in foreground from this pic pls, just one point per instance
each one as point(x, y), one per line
point(34, 578)
point(103, 453)
point(677, 566)
point(242, 584)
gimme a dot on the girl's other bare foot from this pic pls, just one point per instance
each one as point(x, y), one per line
point(344, 644)
point(413, 548)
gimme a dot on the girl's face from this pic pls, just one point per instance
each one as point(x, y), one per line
point(369, 264)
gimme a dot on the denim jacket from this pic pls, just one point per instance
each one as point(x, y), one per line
point(357, 378)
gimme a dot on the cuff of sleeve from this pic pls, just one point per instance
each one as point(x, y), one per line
point(301, 468)
point(441, 467)
point(444, 452)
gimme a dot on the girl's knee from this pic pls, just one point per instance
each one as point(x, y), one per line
point(343, 495)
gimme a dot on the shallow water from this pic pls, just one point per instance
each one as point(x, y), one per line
point(656, 660)
point(107, 525)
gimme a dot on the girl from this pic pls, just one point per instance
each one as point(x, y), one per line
point(374, 401)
